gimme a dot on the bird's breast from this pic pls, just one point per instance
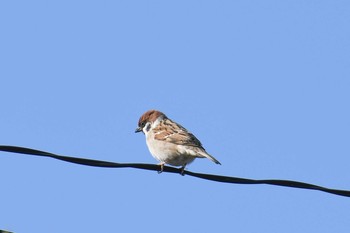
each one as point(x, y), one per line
point(169, 153)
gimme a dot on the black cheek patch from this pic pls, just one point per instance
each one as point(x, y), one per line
point(148, 127)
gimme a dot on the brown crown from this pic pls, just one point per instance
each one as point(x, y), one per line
point(150, 116)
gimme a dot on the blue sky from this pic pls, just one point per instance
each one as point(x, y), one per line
point(263, 84)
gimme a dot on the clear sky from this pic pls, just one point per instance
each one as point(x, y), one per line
point(265, 85)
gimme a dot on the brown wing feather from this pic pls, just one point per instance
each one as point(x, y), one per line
point(177, 134)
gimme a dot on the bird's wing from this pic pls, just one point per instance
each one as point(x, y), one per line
point(170, 131)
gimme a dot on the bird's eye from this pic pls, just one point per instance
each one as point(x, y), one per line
point(143, 124)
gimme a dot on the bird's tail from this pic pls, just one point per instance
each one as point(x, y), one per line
point(206, 155)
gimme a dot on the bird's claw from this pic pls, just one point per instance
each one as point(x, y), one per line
point(182, 171)
point(161, 168)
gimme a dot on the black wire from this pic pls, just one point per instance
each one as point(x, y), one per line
point(218, 178)
point(3, 231)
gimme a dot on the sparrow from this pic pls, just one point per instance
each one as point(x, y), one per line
point(169, 142)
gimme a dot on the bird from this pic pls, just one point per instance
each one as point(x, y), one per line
point(169, 142)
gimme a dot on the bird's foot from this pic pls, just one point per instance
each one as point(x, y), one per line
point(161, 167)
point(182, 172)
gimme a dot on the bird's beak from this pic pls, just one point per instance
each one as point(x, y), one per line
point(138, 129)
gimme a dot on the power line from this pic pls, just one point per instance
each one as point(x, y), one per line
point(3, 231)
point(217, 178)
